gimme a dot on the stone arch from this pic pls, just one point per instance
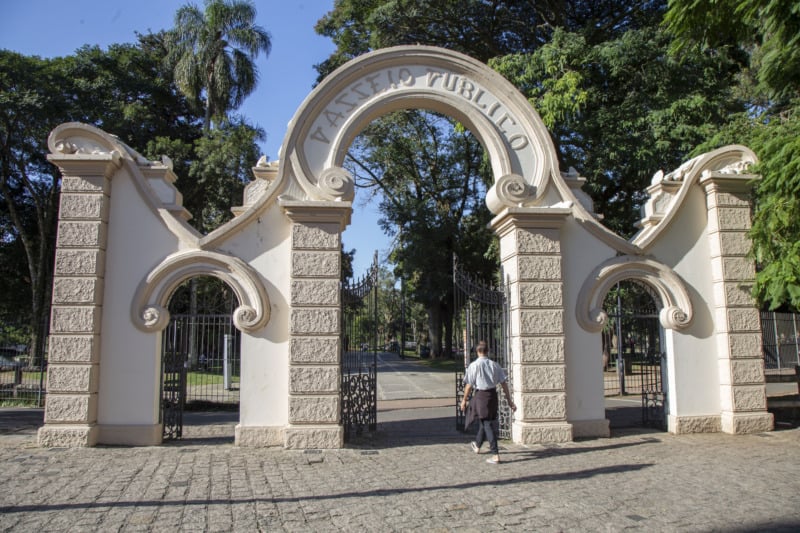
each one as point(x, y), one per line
point(149, 308)
point(515, 138)
point(676, 311)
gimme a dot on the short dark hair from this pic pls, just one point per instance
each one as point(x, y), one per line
point(482, 348)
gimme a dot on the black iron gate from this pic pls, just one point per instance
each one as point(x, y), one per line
point(633, 349)
point(200, 367)
point(480, 314)
point(359, 370)
point(174, 367)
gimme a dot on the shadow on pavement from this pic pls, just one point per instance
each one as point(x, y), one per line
point(203, 503)
point(20, 420)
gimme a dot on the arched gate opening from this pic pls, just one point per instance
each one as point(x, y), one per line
point(201, 355)
point(634, 357)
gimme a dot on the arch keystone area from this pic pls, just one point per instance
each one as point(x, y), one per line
point(420, 77)
point(149, 312)
point(676, 312)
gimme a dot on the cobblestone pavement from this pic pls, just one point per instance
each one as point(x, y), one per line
point(412, 475)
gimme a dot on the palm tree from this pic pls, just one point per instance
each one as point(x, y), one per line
point(212, 53)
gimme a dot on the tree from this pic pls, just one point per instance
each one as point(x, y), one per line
point(767, 33)
point(128, 91)
point(31, 97)
point(212, 53)
point(615, 113)
point(478, 28)
point(768, 29)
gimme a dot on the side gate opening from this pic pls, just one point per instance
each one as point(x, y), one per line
point(201, 355)
point(634, 360)
point(480, 314)
point(359, 347)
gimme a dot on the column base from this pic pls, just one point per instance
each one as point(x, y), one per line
point(591, 428)
point(541, 432)
point(743, 423)
point(313, 437)
point(144, 435)
point(259, 436)
point(682, 425)
point(67, 436)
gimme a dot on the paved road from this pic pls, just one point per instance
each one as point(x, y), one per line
point(415, 473)
point(407, 479)
point(405, 379)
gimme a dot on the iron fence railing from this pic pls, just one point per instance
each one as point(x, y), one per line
point(23, 375)
point(780, 341)
point(209, 347)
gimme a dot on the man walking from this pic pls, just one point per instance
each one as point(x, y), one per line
point(483, 375)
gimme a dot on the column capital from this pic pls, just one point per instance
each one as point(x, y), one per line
point(86, 165)
point(314, 212)
point(719, 182)
point(530, 218)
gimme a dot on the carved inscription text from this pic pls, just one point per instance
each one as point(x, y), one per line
point(340, 108)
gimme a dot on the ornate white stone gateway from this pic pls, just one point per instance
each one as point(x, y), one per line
point(124, 244)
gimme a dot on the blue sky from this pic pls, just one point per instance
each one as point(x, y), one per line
point(51, 28)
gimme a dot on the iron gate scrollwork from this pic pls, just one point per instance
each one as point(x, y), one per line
point(173, 380)
point(653, 396)
point(359, 345)
point(480, 314)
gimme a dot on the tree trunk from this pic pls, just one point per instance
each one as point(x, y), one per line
point(435, 328)
point(447, 322)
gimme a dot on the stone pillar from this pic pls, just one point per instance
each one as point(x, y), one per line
point(738, 329)
point(530, 252)
point(315, 324)
point(70, 414)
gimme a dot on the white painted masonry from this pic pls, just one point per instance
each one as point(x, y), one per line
point(124, 245)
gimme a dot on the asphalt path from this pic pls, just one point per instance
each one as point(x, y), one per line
point(409, 379)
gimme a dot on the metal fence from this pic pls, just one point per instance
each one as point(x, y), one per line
point(23, 376)
point(780, 341)
point(209, 347)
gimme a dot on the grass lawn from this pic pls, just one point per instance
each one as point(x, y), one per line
point(207, 378)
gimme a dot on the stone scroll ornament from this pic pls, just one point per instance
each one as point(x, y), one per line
point(510, 190)
point(337, 184)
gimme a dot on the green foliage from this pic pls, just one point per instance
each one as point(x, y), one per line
point(126, 90)
point(616, 113)
point(34, 98)
point(223, 159)
point(213, 297)
point(769, 30)
point(767, 34)
point(480, 29)
point(776, 232)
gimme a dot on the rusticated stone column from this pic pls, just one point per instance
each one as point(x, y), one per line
point(530, 251)
point(315, 324)
point(738, 329)
point(73, 362)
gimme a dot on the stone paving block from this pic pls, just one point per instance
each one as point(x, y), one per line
point(401, 483)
